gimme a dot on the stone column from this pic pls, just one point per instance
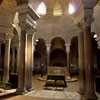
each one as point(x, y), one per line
point(68, 57)
point(0, 55)
point(29, 59)
point(17, 70)
point(48, 54)
point(22, 58)
point(13, 60)
point(81, 58)
point(27, 16)
point(7, 57)
point(88, 55)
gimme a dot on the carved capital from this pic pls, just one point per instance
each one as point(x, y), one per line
point(48, 47)
point(15, 44)
point(79, 27)
point(23, 26)
point(6, 36)
point(31, 30)
point(88, 17)
point(67, 48)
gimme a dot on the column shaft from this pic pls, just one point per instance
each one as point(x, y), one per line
point(48, 54)
point(6, 61)
point(13, 60)
point(17, 70)
point(21, 74)
point(68, 62)
point(88, 54)
point(29, 62)
point(81, 63)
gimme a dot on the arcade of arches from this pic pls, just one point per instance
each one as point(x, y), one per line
point(29, 40)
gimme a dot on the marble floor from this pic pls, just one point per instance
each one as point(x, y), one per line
point(51, 93)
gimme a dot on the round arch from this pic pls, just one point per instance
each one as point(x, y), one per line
point(58, 57)
point(57, 43)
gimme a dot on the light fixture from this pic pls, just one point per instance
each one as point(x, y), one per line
point(71, 9)
point(37, 40)
point(95, 36)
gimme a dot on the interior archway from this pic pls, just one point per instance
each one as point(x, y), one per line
point(58, 58)
point(58, 54)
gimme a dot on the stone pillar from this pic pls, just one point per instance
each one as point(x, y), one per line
point(17, 70)
point(22, 58)
point(68, 57)
point(29, 59)
point(48, 54)
point(13, 60)
point(81, 58)
point(33, 53)
point(7, 57)
point(88, 55)
point(0, 55)
point(27, 16)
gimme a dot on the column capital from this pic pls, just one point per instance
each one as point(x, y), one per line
point(31, 30)
point(88, 17)
point(67, 45)
point(6, 36)
point(48, 47)
point(79, 27)
point(67, 48)
point(15, 44)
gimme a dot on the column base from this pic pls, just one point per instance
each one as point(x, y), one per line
point(30, 89)
point(81, 91)
point(90, 96)
point(20, 91)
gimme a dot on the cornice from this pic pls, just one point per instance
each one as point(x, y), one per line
point(27, 9)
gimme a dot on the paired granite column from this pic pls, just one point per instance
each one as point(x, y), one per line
point(79, 28)
point(22, 51)
point(27, 17)
point(88, 55)
point(48, 54)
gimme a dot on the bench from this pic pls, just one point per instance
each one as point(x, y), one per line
point(56, 81)
point(56, 76)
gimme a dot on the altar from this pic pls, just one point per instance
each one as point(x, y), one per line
point(56, 76)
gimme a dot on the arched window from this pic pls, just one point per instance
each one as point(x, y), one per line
point(41, 9)
point(57, 10)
